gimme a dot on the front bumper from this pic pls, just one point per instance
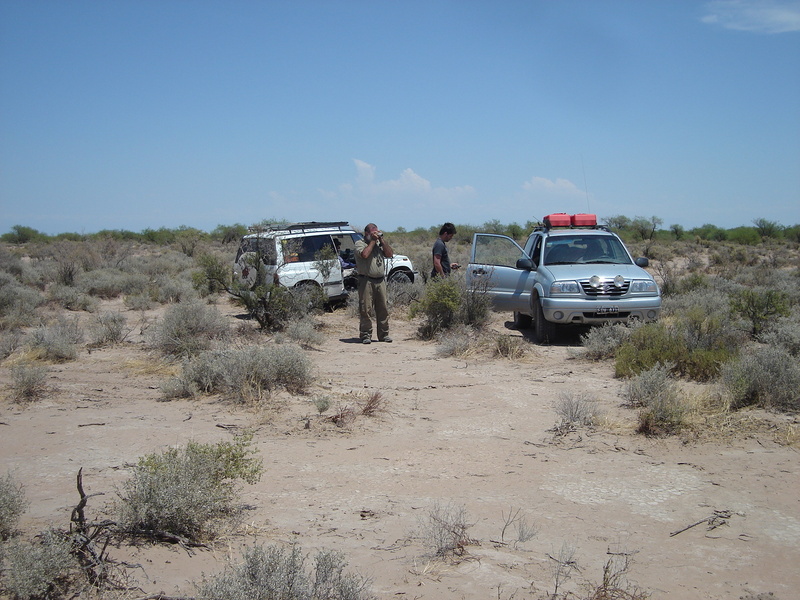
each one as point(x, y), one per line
point(597, 311)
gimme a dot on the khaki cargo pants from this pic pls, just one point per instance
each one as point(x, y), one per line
point(372, 304)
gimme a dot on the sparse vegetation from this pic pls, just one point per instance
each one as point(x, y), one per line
point(187, 491)
point(247, 374)
point(444, 530)
point(657, 396)
point(768, 377)
point(40, 569)
point(29, 381)
point(12, 505)
point(446, 303)
point(272, 572)
point(188, 329)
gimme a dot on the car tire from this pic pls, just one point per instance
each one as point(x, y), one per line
point(544, 330)
point(522, 321)
point(399, 276)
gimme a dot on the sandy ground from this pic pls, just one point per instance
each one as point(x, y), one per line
point(474, 433)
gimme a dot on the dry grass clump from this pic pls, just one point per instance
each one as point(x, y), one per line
point(247, 374)
point(267, 572)
point(58, 341)
point(12, 505)
point(768, 376)
point(188, 329)
point(576, 409)
point(108, 328)
point(601, 343)
point(656, 394)
point(510, 347)
point(28, 381)
point(443, 529)
point(457, 341)
point(304, 332)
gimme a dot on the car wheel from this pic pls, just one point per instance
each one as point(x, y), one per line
point(544, 330)
point(522, 321)
point(399, 277)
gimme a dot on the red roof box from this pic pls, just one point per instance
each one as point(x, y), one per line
point(583, 220)
point(557, 220)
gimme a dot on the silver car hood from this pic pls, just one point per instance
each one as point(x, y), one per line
point(604, 271)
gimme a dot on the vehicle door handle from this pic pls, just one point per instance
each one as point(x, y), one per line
point(478, 272)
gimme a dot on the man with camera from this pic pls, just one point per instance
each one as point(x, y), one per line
point(372, 297)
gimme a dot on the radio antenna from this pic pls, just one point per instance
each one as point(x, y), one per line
point(585, 185)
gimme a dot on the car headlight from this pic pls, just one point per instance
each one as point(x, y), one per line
point(564, 287)
point(644, 286)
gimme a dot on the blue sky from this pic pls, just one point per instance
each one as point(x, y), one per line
point(134, 114)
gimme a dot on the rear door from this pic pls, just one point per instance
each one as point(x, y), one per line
point(493, 269)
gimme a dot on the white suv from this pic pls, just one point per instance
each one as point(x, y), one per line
point(313, 253)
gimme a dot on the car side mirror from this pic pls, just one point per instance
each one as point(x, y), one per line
point(525, 263)
point(642, 262)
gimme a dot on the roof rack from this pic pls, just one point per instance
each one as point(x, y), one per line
point(299, 227)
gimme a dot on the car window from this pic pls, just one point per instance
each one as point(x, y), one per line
point(304, 249)
point(496, 250)
point(585, 249)
point(264, 247)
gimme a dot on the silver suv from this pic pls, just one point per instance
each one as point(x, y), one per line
point(563, 276)
point(313, 253)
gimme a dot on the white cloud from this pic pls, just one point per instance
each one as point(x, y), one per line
point(757, 16)
point(560, 188)
point(409, 187)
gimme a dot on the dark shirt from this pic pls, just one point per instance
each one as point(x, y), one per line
point(440, 248)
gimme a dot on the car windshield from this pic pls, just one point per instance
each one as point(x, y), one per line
point(584, 249)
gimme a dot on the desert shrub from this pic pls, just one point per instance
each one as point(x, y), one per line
point(447, 302)
point(155, 264)
point(576, 408)
point(600, 343)
point(759, 306)
point(456, 341)
point(71, 298)
point(274, 306)
point(187, 329)
point(444, 530)
point(658, 398)
point(767, 377)
point(509, 347)
point(247, 374)
point(166, 289)
point(17, 302)
point(58, 341)
point(654, 343)
point(112, 283)
point(28, 382)
point(12, 505)
point(109, 328)
point(187, 491)
point(783, 332)
point(40, 569)
point(403, 294)
point(10, 340)
point(140, 301)
point(303, 332)
point(272, 572)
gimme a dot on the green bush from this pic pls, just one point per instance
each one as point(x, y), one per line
point(12, 505)
point(246, 374)
point(768, 377)
point(39, 570)
point(447, 302)
point(759, 306)
point(188, 491)
point(271, 573)
point(111, 283)
point(188, 329)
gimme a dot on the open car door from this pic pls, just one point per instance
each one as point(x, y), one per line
point(500, 267)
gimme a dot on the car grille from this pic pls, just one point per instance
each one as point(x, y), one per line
point(606, 289)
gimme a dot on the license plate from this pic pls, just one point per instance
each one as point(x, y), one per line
point(607, 310)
